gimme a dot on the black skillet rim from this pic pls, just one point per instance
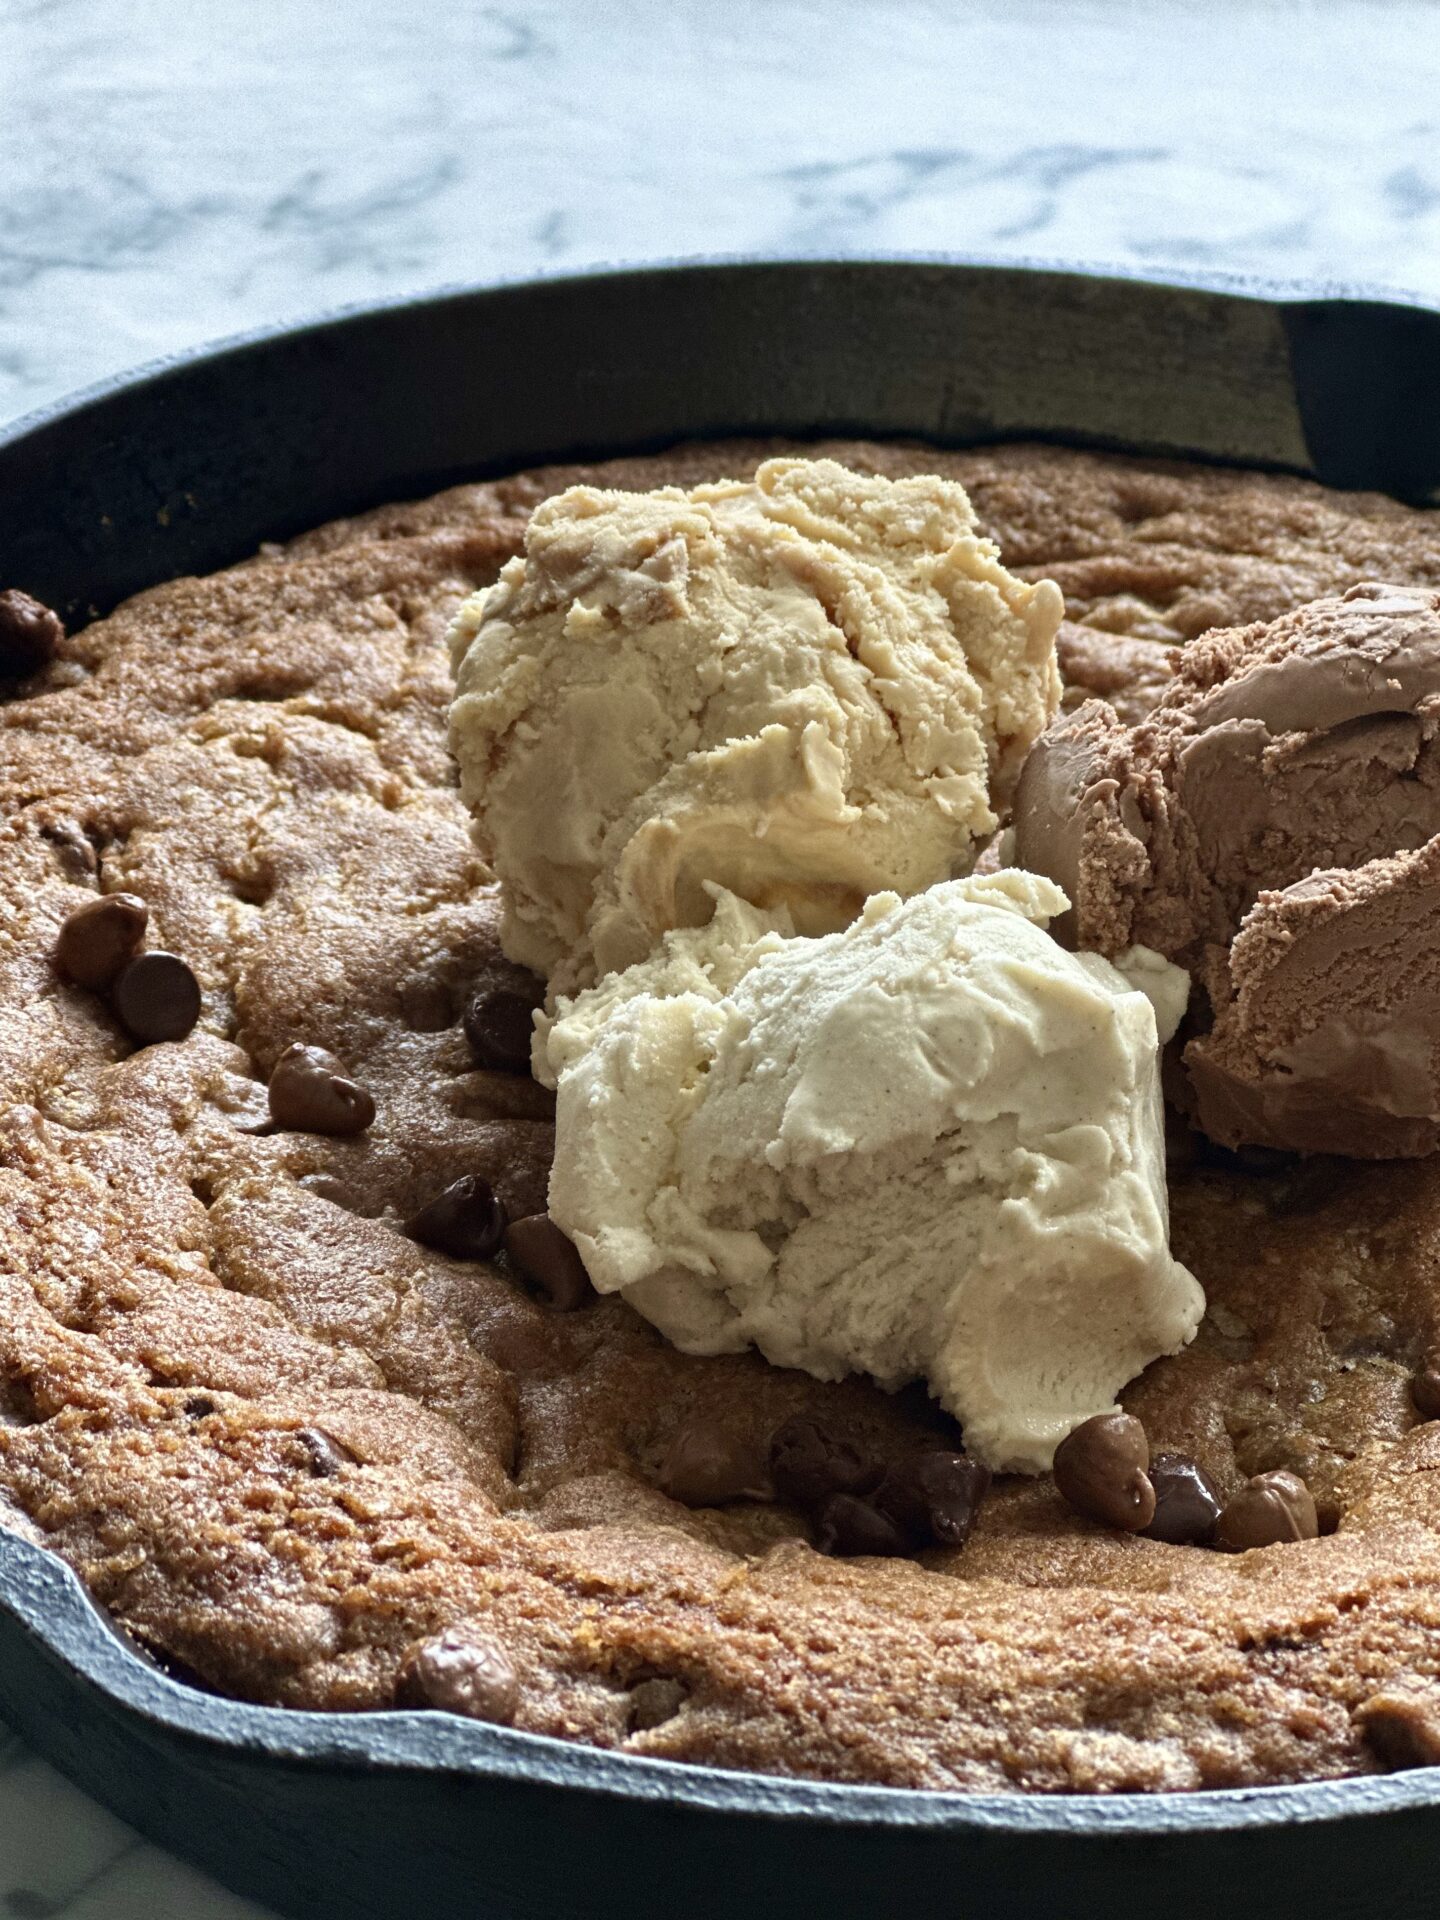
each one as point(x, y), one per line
point(1236, 286)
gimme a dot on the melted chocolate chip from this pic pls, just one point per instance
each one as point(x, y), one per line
point(1268, 1510)
point(498, 1025)
point(466, 1221)
point(461, 1670)
point(1425, 1392)
point(704, 1466)
point(199, 1406)
point(29, 634)
point(1100, 1469)
point(310, 1092)
point(652, 1702)
point(550, 1261)
point(327, 1454)
point(519, 1345)
point(934, 1497)
point(100, 939)
point(157, 997)
point(498, 1016)
point(426, 1004)
point(326, 1186)
point(1187, 1501)
point(846, 1524)
point(808, 1465)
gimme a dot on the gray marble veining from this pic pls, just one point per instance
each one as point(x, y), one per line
point(171, 172)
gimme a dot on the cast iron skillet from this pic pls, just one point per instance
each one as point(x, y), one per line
point(187, 466)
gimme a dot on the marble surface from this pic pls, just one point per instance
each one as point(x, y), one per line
point(171, 173)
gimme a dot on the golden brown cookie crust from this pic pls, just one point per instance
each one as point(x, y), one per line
point(260, 756)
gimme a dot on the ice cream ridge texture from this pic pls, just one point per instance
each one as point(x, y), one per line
point(733, 754)
point(929, 1146)
point(806, 689)
point(1274, 826)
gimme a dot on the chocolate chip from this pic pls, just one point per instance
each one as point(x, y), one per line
point(934, 1497)
point(499, 1023)
point(1187, 1501)
point(461, 1670)
point(808, 1465)
point(327, 1454)
point(100, 938)
point(29, 634)
point(157, 997)
point(652, 1702)
point(846, 1524)
point(310, 1092)
point(1401, 1729)
point(1100, 1469)
point(704, 1466)
point(199, 1406)
point(325, 1186)
point(1271, 1508)
point(1425, 1392)
point(519, 1345)
point(425, 1004)
point(466, 1221)
point(550, 1261)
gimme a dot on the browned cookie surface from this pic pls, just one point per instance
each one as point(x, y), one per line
point(284, 1441)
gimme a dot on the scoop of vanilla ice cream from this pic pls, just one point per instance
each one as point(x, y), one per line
point(805, 688)
point(930, 1145)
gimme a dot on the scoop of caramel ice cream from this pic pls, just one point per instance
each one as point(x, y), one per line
point(1272, 826)
point(807, 689)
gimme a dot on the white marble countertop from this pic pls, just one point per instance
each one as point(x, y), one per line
point(171, 173)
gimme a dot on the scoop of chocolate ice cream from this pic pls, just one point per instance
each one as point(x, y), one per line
point(1327, 1016)
point(1272, 826)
